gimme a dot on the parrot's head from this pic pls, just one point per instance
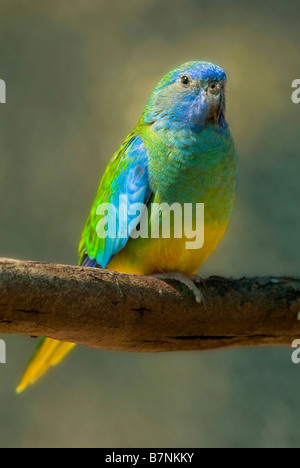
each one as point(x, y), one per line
point(192, 95)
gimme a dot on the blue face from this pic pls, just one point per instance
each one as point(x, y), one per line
point(191, 95)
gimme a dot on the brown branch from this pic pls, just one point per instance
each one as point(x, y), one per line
point(109, 310)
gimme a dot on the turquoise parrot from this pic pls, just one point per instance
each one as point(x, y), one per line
point(182, 152)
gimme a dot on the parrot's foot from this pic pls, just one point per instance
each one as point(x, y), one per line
point(196, 279)
point(188, 281)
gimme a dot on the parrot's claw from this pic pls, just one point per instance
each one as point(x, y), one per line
point(196, 279)
point(188, 281)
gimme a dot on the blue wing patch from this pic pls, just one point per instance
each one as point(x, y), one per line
point(129, 186)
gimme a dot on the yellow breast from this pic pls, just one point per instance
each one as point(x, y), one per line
point(150, 256)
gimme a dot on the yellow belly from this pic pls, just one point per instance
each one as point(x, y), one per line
point(150, 256)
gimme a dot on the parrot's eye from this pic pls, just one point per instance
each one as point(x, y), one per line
point(185, 80)
point(213, 88)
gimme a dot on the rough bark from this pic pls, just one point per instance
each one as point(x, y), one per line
point(102, 309)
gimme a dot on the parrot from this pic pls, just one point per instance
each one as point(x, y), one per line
point(181, 151)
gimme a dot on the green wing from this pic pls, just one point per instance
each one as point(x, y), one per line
point(126, 174)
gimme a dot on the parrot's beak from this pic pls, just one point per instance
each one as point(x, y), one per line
point(216, 97)
point(209, 106)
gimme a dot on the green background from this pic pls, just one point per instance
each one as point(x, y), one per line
point(78, 74)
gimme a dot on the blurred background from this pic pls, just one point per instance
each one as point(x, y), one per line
point(78, 74)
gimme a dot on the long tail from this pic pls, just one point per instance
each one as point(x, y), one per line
point(49, 353)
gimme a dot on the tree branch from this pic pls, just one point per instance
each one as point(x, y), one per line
point(102, 309)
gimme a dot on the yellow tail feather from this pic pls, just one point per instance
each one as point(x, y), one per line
point(49, 353)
